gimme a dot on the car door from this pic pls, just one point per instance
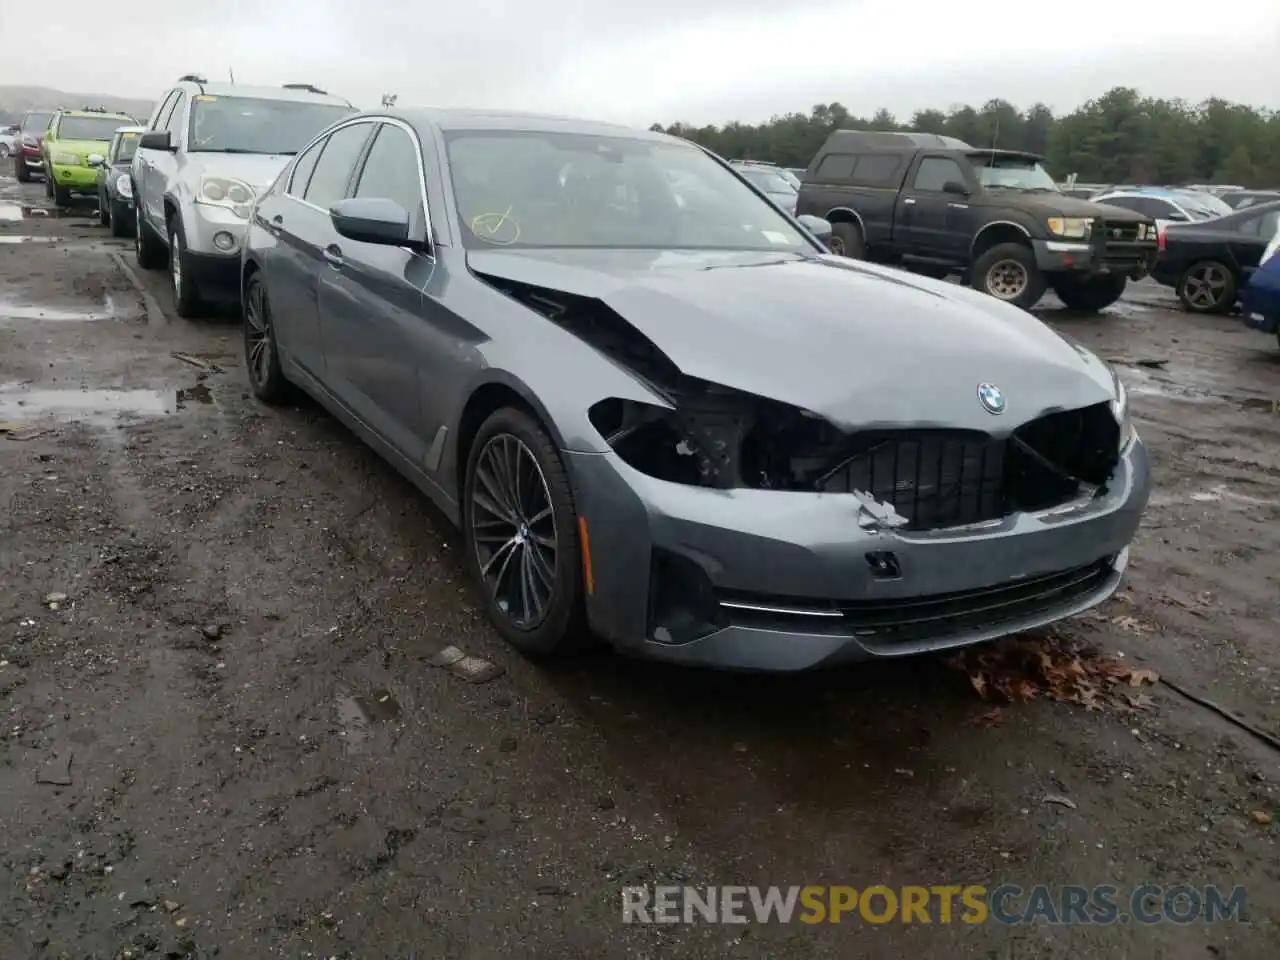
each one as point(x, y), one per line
point(293, 266)
point(144, 162)
point(936, 223)
point(1250, 238)
point(371, 301)
point(164, 163)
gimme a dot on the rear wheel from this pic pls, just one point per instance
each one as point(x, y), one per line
point(4, 151)
point(847, 241)
point(1008, 272)
point(1091, 294)
point(149, 251)
point(522, 546)
point(1208, 287)
point(261, 355)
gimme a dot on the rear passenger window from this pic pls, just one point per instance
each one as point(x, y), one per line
point(935, 171)
point(333, 170)
point(877, 169)
point(166, 110)
point(301, 175)
point(836, 166)
point(174, 123)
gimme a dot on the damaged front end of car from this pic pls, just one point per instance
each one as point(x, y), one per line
point(772, 538)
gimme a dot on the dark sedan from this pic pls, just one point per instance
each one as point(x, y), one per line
point(668, 414)
point(1208, 263)
point(115, 182)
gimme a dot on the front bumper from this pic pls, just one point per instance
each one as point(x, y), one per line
point(769, 580)
point(74, 178)
point(32, 159)
point(1132, 259)
point(202, 223)
point(215, 275)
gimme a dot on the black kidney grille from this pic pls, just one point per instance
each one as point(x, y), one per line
point(942, 479)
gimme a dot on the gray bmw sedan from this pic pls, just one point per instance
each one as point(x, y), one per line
point(663, 415)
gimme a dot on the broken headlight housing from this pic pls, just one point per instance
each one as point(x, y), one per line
point(1120, 410)
point(712, 436)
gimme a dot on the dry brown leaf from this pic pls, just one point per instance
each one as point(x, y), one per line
point(1260, 817)
point(979, 684)
point(1129, 624)
point(1138, 677)
point(1140, 701)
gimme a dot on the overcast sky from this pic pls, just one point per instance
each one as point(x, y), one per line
point(639, 61)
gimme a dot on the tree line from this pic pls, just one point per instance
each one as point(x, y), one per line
point(1120, 137)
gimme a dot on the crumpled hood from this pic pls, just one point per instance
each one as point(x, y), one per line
point(860, 345)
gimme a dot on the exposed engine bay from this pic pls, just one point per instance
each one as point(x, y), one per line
point(724, 438)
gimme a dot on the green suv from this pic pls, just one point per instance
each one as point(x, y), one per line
point(73, 137)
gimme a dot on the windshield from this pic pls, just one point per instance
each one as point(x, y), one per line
point(544, 189)
point(1015, 173)
point(90, 128)
point(257, 125)
point(127, 147)
point(1203, 206)
point(770, 181)
point(36, 122)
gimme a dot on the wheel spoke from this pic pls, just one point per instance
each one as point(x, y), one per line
point(509, 497)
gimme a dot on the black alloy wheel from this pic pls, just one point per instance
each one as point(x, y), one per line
point(261, 354)
point(521, 535)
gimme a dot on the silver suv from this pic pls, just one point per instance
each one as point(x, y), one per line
point(209, 151)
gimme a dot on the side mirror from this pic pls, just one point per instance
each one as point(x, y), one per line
point(156, 140)
point(819, 227)
point(955, 187)
point(1177, 217)
point(371, 220)
point(97, 160)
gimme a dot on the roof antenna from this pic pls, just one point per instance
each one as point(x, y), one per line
point(232, 74)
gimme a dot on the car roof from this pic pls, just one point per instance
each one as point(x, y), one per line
point(106, 115)
point(288, 94)
point(498, 120)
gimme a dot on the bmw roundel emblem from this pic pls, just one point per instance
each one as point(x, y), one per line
point(991, 398)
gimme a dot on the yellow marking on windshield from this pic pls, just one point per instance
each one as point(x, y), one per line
point(486, 226)
point(204, 96)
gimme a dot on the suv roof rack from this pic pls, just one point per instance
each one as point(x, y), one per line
point(195, 78)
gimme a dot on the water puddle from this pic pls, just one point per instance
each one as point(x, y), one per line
point(1142, 383)
point(10, 212)
point(358, 715)
point(86, 405)
point(1218, 493)
point(12, 310)
point(27, 238)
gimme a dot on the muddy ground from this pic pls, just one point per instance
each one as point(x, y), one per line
point(226, 737)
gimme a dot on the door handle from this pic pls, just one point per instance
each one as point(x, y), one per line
point(333, 256)
point(909, 200)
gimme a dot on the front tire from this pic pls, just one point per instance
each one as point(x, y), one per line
point(20, 170)
point(104, 210)
point(1009, 273)
point(1208, 287)
point(119, 219)
point(1089, 295)
point(186, 296)
point(520, 530)
point(261, 353)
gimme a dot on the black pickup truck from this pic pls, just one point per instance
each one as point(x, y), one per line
point(938, 206)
